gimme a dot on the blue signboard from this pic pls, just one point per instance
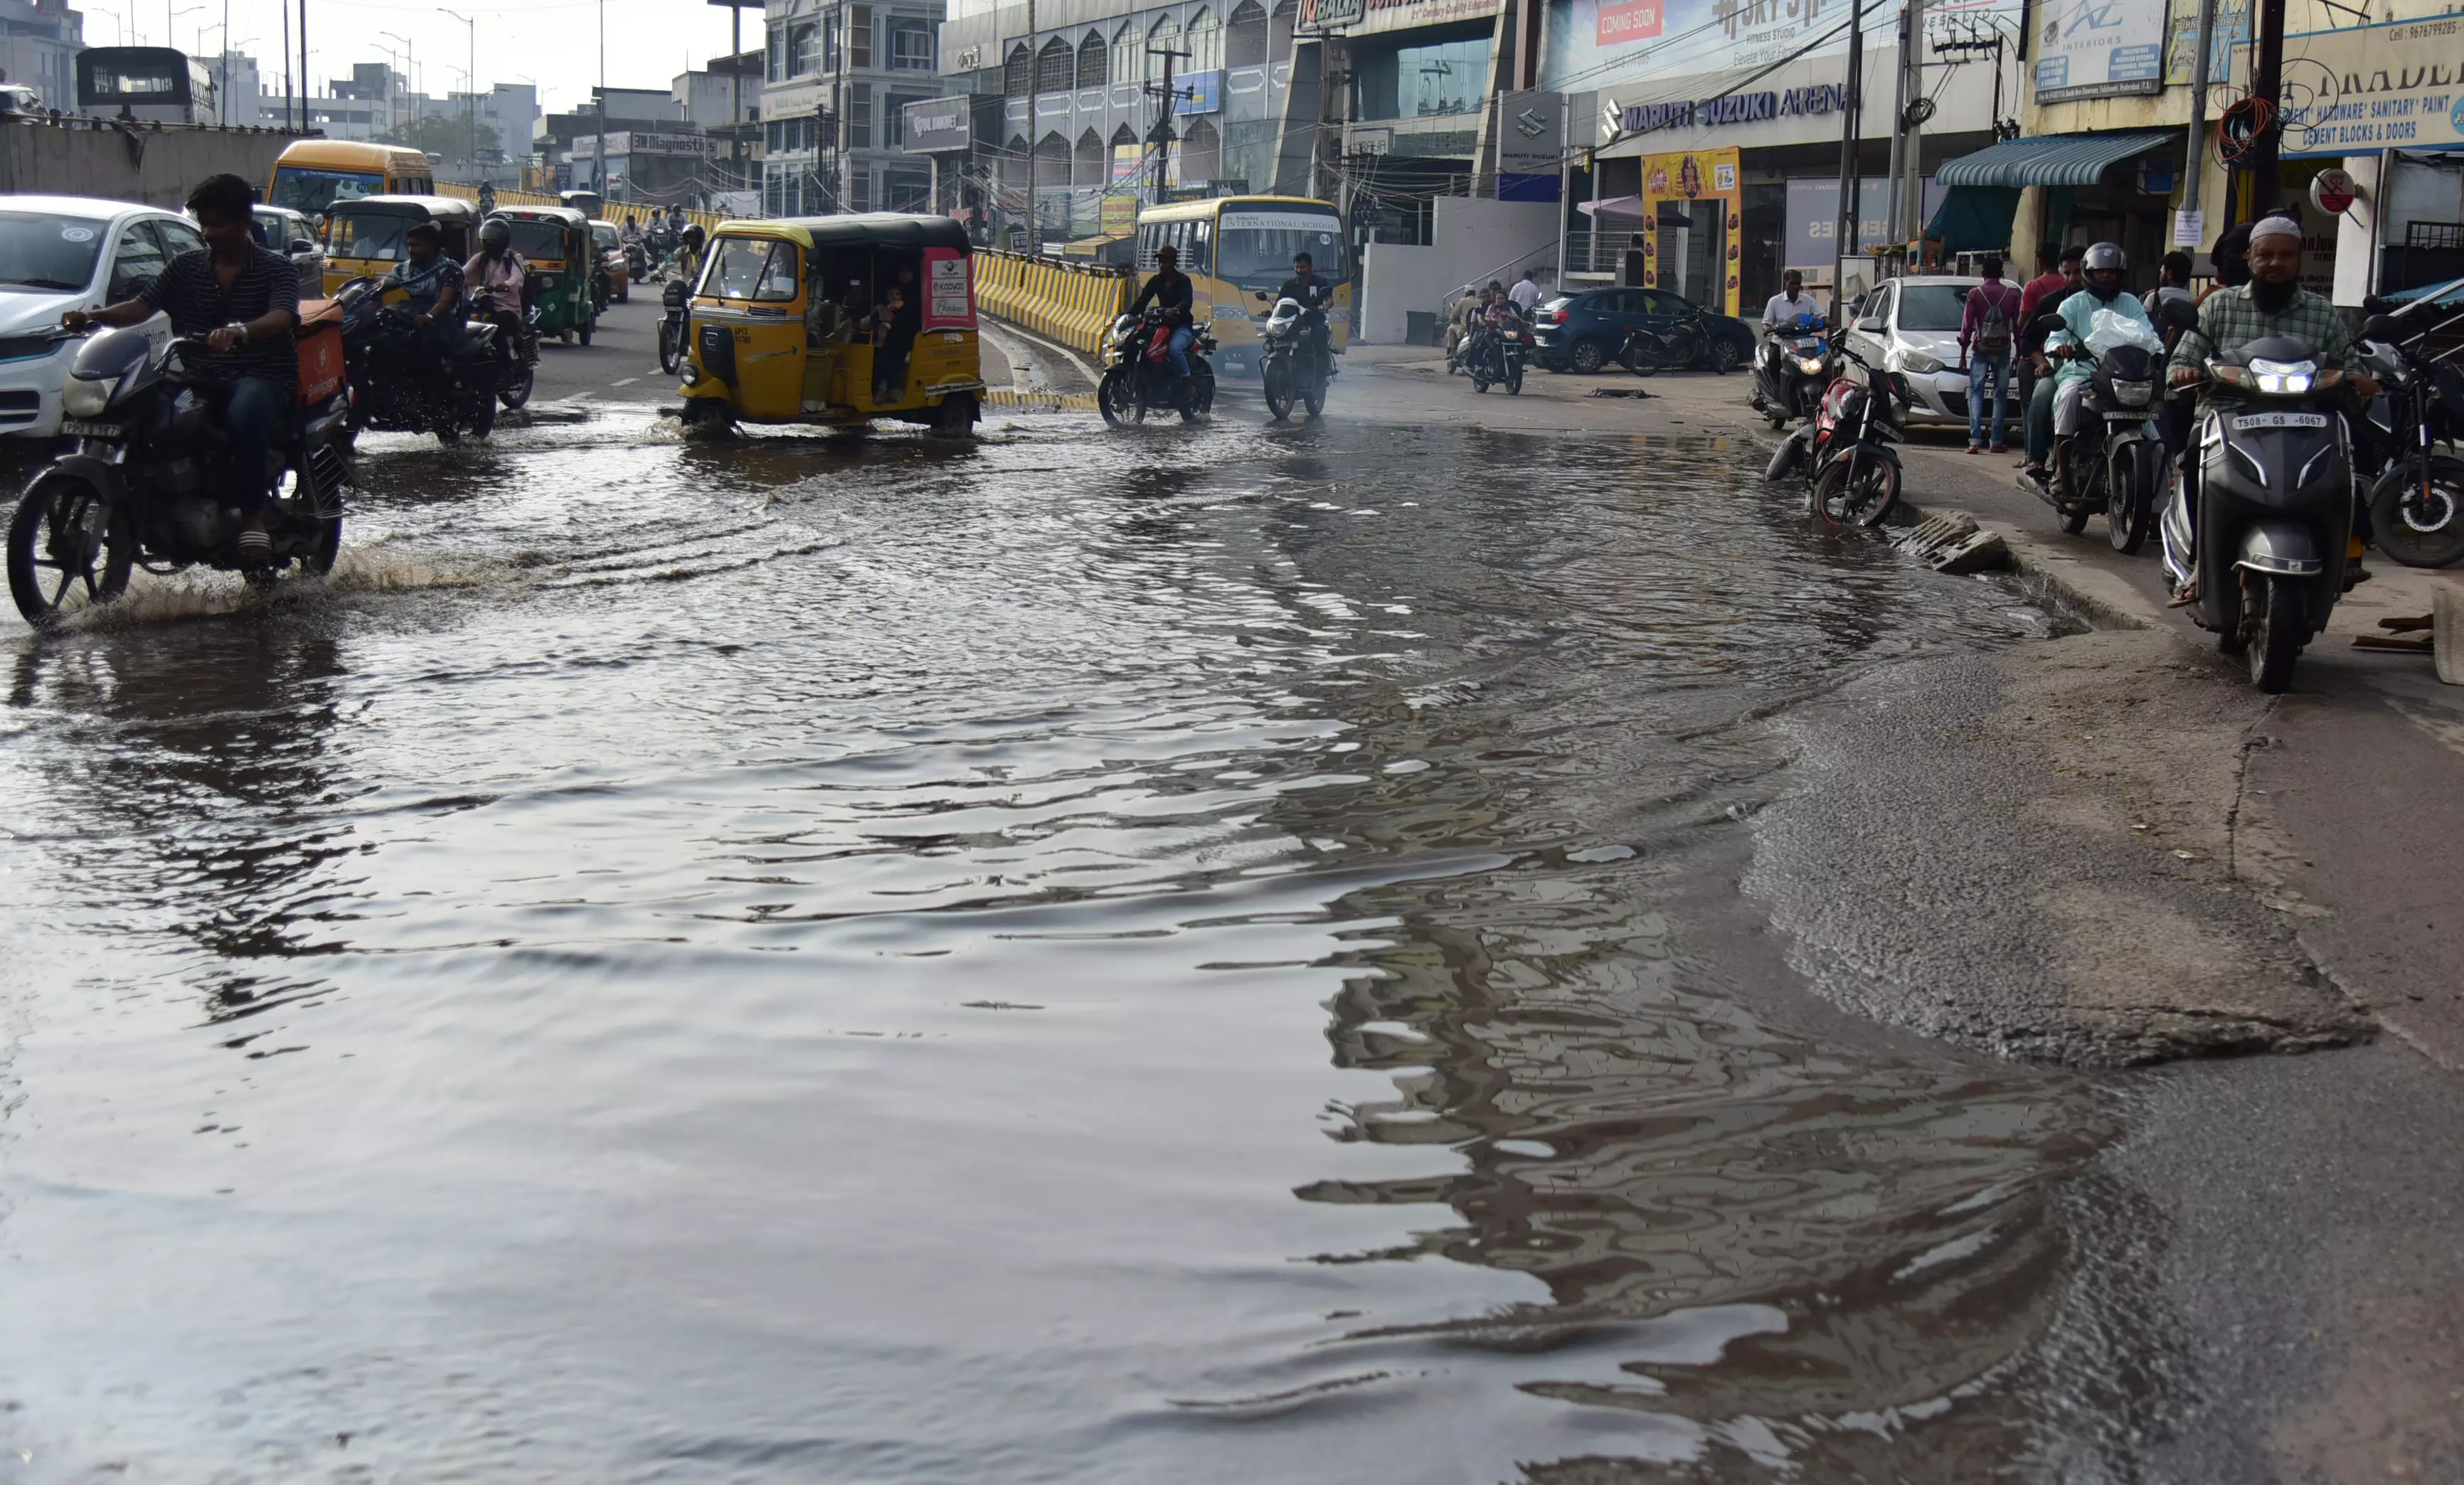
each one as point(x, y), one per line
point(1205, 91)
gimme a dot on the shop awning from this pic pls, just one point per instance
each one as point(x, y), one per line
point(1615, 206)
point(2053, 159)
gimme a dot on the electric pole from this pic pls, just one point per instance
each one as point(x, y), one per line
point(1165, 96)
point(1852, 107)
point(1034, 82)
point(2258, 187)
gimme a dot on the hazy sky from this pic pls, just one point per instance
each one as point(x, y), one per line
point(553, 43)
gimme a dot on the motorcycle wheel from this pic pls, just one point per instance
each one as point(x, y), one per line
point(1478, 383)
point(1277, 384)
point(1513, 384)
point(584, 332)
point(1116, 398)
point(2074, 516)
point(669, 358)
point(2277, 642)
point(2128, 510)
point(62, 526)
point(517, 390)
point(2414, 533)
point(483, 411)
point(1314, 395)
point(1200, 396)
point(1877, 491)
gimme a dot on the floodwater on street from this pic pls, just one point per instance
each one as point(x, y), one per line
point(1207, 955)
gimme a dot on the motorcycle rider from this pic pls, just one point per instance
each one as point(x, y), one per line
point(2271, 304)
point(1168, 288)
point(434, 284)
point(244, 298)
point(1314, 294)
point(496, 276)
point(1782, 311)
point(2103, 271)
point(689, 254)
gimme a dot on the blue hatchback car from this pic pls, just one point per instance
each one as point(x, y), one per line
point(1584, 332)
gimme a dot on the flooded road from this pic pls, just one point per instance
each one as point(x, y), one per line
point(1196, 957)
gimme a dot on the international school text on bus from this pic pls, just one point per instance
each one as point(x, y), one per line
point(1234, 248)
point(314, 174)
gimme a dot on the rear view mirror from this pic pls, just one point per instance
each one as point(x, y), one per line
point(1871, 325)
point(303, 245)
point(2381, 327)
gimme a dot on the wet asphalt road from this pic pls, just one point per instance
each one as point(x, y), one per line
point(1210, 955)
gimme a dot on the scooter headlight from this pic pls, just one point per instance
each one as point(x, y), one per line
point(1810, 365)
point(2134, 394)
point(87, 397)
point(2282, 377)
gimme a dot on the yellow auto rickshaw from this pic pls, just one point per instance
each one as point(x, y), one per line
point(365, 236)
point(834, 322)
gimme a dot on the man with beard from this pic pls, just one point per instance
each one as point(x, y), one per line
point(2271, 304)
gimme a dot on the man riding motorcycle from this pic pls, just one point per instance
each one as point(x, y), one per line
point(2103, 274)
point(495, 276)
point(2271, 302)
point(689, 254)
point(433, 282)
point(1314, 294)
point(1169, 290)
point(244, 299)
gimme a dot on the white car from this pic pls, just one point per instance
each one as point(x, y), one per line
point(68, 253)
point(1911, 326)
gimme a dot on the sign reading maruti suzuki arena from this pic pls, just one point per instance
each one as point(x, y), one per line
point(2098, 49)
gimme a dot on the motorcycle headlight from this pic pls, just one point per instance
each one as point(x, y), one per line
point(2284, 378)
point(547, 280)
point(1919, 362)
point(87, 397)
point(1810, 365)
point(687, 375)
point(2133, 394)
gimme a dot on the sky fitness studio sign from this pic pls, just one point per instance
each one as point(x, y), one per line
point(1733, 108)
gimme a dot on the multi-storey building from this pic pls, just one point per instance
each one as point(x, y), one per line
point(837, 79)
point(39, 40)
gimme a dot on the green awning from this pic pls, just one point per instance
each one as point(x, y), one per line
point(2053, 159)
point(1975, 218)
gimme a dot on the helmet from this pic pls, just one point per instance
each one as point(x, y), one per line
point(692, 234)
point(2104, 261)
point(495, 234)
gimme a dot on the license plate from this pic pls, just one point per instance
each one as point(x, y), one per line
point(75, 428)
point(2245, 421)
point(2126, 416)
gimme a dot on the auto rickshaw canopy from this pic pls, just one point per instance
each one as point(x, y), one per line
point(869, 228)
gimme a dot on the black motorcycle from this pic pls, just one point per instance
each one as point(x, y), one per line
point(1791, 369)
point(397, 382)
point(1670, 347)
point(2116, 464)
point(2414, 493)
point(1851, 472)
point(2275, 506)
point(145, 477)
point(1294, 369)
point(671, 324)
point(1138, 378)
point(1495, 356)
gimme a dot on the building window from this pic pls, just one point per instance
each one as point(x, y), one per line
point(911, 44)
point(859, 119)
point(1055, 67)
point(1020, 73)
point(1090, 60)
point(906, 190)
point(1165, 37)
point(1129, 53)
point(1205, 42)
point(859, 190)
point(778, 55)
point(805, 58)
point(859, 36)
point(1246, 37)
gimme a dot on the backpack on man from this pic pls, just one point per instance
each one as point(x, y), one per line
point(1993, 331)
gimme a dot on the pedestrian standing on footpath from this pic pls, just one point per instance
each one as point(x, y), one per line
point(1987, 330)
point(1525, 293)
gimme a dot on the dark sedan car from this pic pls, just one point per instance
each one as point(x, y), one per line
point(1584, 332)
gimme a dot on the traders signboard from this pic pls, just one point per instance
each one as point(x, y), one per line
point(2099, 47)
point(2398, 85)
point(937, 124)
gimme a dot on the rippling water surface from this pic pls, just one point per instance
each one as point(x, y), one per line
point(1190, 957)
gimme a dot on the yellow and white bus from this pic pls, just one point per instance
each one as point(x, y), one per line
point(314, 174)
point(1234, 248)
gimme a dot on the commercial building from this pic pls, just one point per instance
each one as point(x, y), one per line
point(838, 78)
point(723, 100)
point(39, 40)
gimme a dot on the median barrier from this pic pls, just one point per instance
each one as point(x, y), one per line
point(1071, 303)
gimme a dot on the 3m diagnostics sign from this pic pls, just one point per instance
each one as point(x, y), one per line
point(1622, 21)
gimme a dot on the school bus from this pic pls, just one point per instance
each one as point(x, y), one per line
point(1234, 248)
point(314, 174)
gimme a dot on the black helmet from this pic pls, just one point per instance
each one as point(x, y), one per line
point(495, 234)
point(692, 234)
point(2105, 258)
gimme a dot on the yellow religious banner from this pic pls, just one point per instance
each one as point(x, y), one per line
point(1705, 175)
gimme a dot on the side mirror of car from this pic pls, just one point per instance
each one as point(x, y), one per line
point(303, 245)
point(1871, 324)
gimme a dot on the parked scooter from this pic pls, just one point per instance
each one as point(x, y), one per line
point(2415, 495)
point(2267, 544)
point(1851, 473)
point(2116, 463)
point(1792, 367)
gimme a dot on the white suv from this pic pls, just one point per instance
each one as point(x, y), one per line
point(65, 252)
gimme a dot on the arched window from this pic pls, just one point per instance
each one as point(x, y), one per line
point(1018, 74)
point(1201, 153)
point(1246, 46)
point(1055, 66)
point(1051, 163)
point(1090, 60)
point(1164, 37)
point(1205, 42)
point(1280, 44)
point(1127, 153)
point(1129, 53)
point(1014, 177)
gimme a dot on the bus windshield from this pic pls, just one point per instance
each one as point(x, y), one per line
point(307, 189)
point(1254, 246)
point(367, 235)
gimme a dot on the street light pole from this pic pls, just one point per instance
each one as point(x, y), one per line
point(471, 89)
point(393, 118)
point(601, 183)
